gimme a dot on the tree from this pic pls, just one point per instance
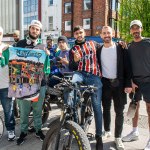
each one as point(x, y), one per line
point(130, 10)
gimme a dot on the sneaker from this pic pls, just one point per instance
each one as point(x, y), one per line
point(132, 136)
point(99, 143)
point(147, 146)
point(106, 135)
point(119, 144)
point(40, 135)
point(11, 135)
point(21, 138)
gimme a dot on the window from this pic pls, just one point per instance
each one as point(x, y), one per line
point(87, 4)
point(50, 23)
point(113, 4)
point(50, 2)
point(113, 23)
point(87, 23)
point(30, 6)
point(67, 25)
point(67, 8)
point(27, 20)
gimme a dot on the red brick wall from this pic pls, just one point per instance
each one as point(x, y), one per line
point(99, 16)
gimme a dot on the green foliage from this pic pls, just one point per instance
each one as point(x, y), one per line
point(131, 10)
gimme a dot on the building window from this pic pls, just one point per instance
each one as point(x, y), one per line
point(87, 23)
point(113, 24)
point(67, 25)
point(67, 8)
point(113, 5)
point(50, 2)
point(50, 23)
point(27, 20)
point(87, 4)
point(30, 6)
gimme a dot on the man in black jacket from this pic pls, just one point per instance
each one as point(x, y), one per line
point(116, 74)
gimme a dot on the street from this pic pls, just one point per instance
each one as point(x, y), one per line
point(32, 143)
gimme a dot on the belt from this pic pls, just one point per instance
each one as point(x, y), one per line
point(110, 80)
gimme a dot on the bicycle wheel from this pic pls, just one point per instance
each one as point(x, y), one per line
point(72, 137)
point(1, 127)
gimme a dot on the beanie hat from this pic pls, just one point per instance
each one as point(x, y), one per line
point(36, 23)
point(63, 38)
point(49, 38)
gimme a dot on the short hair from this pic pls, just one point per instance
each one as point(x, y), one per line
point(17, 32)
point(107, 27)
point(76, 28)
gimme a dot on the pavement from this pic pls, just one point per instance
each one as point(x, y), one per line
point(32, 143)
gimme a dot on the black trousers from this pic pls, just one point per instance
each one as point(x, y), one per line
point(110, 92)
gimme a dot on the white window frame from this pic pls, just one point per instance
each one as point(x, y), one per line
point(66, 6)
point(50, 23)
point(85, 4)
point(87, 23)
point(68, 27)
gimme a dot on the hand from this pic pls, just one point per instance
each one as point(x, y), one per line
point(134, 86)
point(123, 44)
point(47, 51)
point(64, 60)
point(128, 90)
point(77, 56)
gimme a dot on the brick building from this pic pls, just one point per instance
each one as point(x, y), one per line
point(91, 14)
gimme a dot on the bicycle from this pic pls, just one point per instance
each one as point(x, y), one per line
point(69, 113)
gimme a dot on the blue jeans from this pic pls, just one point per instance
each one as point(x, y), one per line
point(7, 104)
point(90, 79)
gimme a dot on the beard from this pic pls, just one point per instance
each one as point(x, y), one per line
point(136, 35)
point(107, 40)
point(33, 37)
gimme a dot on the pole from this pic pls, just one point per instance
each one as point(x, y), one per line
point(21, 19)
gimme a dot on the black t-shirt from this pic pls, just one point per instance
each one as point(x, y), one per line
point(139, 53)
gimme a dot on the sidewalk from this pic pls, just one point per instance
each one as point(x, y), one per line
point(32, 143)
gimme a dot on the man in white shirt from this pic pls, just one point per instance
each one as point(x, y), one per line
point(116, 75)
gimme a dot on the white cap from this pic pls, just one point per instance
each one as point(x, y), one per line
point(1, 30)
point(136, 22)
point(36, 23)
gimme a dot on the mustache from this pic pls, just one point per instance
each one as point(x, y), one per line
point(136, 33)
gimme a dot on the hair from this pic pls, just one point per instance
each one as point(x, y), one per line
point(107, 27)
point(76, 28)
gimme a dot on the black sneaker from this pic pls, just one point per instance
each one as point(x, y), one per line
point(99, 143)
point(40, 135)
point(21, 138)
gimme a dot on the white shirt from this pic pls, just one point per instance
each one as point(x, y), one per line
point(4, 73)
point(109, 62)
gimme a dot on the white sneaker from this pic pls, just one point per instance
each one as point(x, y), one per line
point(106, 135)
point(11, 135)
point(132, 136)
point(119, 144)
point(147, 146)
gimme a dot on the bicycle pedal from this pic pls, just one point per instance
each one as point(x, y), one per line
point(90, 135)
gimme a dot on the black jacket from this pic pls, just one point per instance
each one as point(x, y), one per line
point(123, 66)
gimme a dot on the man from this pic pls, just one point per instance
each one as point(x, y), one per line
point(139, 53)
point(83, 57)
point(16, 36)
point(6, 102)
point(62, 60)
point(32, 41)
point(115, 79)
point(51, 48)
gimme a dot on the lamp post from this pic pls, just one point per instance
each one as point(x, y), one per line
point(21, 19)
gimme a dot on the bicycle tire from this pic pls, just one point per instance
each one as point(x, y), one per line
point(1, 127)
point(74, 128)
